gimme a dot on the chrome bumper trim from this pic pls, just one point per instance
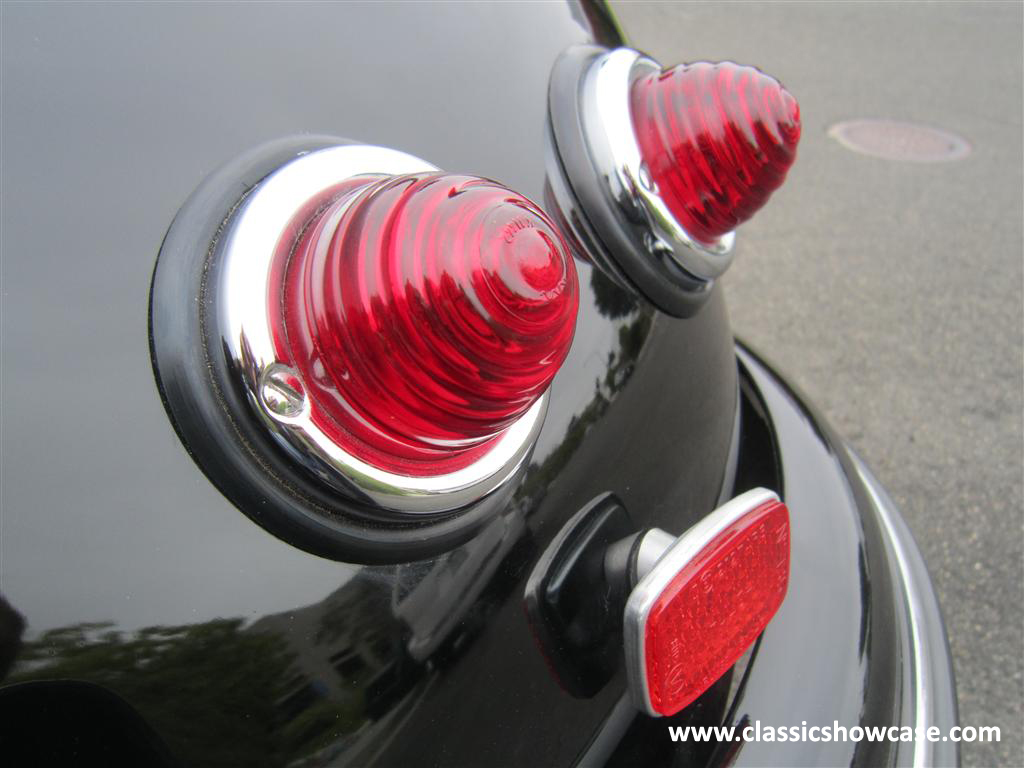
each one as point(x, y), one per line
point(925, 685)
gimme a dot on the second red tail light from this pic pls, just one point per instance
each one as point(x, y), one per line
point(717, 140)
point(653, 169)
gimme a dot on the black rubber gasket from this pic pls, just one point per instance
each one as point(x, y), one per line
point(215, 422)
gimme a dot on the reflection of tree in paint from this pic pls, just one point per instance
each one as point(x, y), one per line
point(223, 693)
point(208, 689)
point(611, 301)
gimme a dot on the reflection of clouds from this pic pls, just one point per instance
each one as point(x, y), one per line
point(169, 552)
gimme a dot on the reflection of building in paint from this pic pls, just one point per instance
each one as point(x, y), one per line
point(352, 655)
point(341, 646)
point(435, 600)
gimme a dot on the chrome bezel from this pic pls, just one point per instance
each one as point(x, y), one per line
point(608, 127)
point(681, 552)
point(247, 339)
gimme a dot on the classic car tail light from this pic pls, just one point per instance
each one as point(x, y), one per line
point(424, 314)
point(717, 140)
point(705, 600)
point(357, 347)
point(652, 170)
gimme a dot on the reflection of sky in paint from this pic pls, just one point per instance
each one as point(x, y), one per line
point(102, 514)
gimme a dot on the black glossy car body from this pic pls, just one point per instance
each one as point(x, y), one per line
point(146, 620)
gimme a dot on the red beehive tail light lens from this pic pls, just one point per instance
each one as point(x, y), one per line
point(425, 314)
point(715, 607)
point(717, 140)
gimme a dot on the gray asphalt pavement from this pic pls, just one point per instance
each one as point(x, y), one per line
point(891, 292)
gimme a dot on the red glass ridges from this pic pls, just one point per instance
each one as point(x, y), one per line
point(717, 140)
point(425, 314)
point(715, 607)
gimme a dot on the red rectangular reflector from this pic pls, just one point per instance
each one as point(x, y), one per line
point(706, 600)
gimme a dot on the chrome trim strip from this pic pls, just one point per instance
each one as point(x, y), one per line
point(909, 565)
point(643, 596)
point(246, 337)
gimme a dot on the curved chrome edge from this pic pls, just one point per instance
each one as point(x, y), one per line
point(247, 338)
point(585, 242)
point(646, 592)
point(928, 672)
point(607, 124)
